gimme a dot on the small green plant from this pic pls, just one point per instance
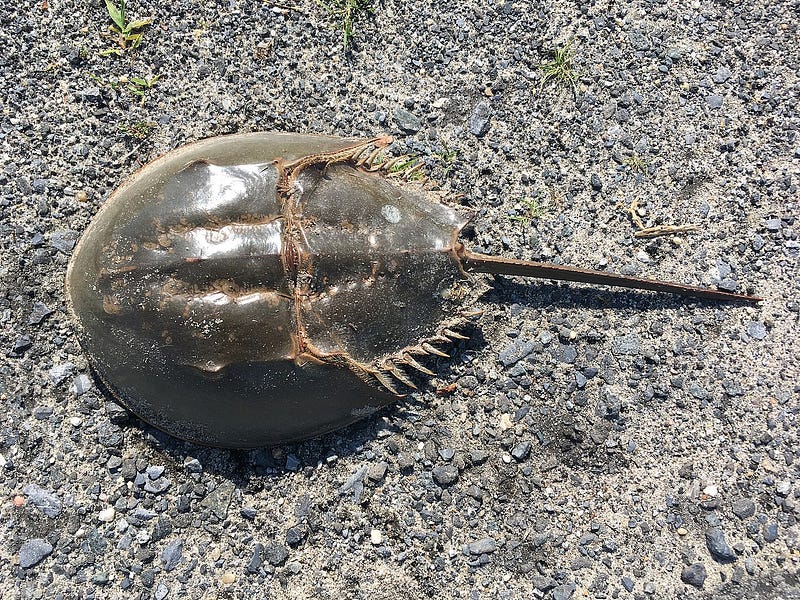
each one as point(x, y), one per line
point(532, 208)
point(347, 12)
point(447, 157)
point(102, 82)
point(127, 34)
point(140, 130)
point(409, 169)
point(139, 86)
point(636, 163)
point(560, 70)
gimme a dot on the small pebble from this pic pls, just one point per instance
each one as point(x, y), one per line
point(228, 578)
point(770, 532)
point(484, 546)
point(718, 546)
point(628, 584)
point(34, 551)
point(694, 574)
point(162, 591)
point(107, 514)
point(479, 120)
point(406, 121)
point(275, 553)
point(375, 537)
point(756, 330)
point(445, 475)
point(171, 555)
point(773, 225)
point(722, 75)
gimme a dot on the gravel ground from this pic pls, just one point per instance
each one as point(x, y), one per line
point(585, 443)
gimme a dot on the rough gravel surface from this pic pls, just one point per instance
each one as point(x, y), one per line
point(585, 443)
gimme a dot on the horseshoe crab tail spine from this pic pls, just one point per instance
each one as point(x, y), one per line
point(483, 263)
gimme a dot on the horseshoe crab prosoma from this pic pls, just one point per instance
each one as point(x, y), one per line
point(255, 289)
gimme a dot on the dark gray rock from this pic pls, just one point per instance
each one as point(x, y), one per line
point(64, 240)
point(569, 354)
point(405, 462)
point(732, 388)
point(543, 584)
point(694, 574)
point(140, 515)
point(697, 391)
point(275, 554)
point(192, 465)
point(743, 508)
point(161, 529)
point(722, 75)
point(46, 503)
point(770, 532)
point(718, 547)
point(256, 560)
point(171, 555)
point(295, 536)
point(521, 450)
point(34, 551)
point(218, 500)
point(292, 462)
point(42, 413)
point(563, 591)
point(109, 434)
point(90, 94)
point(406, 121)
point(625, 345)
point(596, 182)
point(22, 344)
point(484, 546)
point(480, 119)
point(39, 312)
point(445, 475)
point(518, 350)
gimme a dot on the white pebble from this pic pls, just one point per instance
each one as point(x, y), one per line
point(75, 421)
point(711, 490)
point(107, 514)
point(376, 537)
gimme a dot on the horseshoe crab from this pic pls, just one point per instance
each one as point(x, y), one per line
point(250, 290)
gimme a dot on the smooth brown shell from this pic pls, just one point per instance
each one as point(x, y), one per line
point(225, 311)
